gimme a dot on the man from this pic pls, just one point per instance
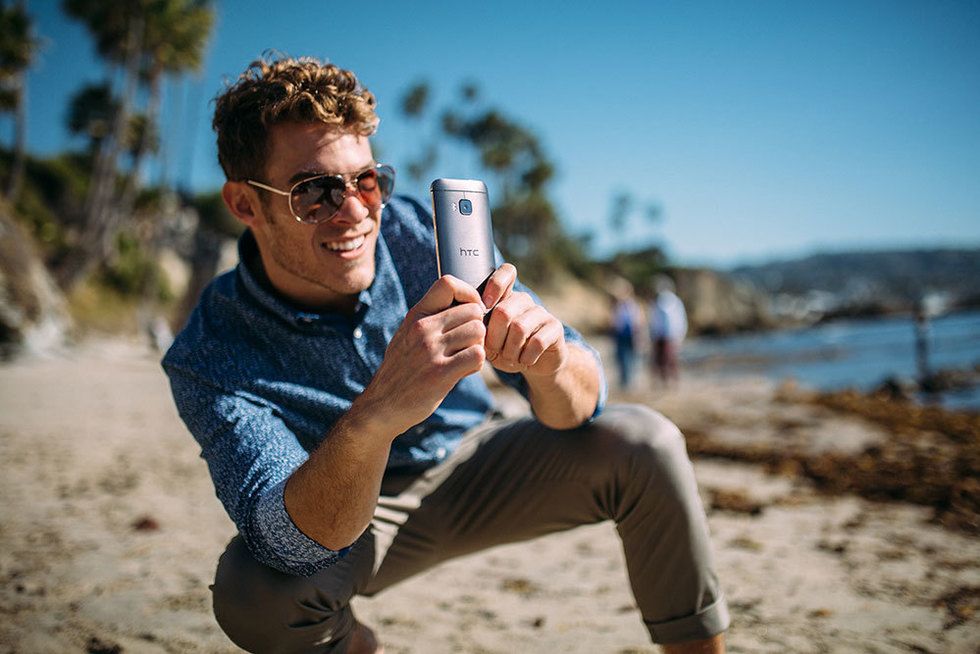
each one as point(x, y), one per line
point(668, 328)
point(332, 383)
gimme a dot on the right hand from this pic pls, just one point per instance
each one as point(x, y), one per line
point(439, 343)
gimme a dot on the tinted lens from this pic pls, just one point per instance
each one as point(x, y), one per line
point(386, 181)
point(320, 198)
point(370, 189)
point(317, 196)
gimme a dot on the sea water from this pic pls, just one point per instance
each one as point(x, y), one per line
point(848, 354)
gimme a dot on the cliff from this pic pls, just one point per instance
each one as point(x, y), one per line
point(33, 315)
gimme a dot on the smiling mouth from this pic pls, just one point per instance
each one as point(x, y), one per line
point(346, 245)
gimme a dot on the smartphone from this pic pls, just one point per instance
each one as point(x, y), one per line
point(464, 233)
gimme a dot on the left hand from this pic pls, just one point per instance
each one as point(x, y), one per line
point(521, 335)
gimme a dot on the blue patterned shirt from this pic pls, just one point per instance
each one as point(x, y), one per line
point(260, 383)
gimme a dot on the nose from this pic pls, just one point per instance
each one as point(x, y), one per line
point(352, 210)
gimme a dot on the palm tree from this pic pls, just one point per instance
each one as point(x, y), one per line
point(17, 47)
point(176, 34)
point(146, 39)
point(91, 112)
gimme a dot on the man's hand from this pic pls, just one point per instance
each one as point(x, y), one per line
point(521, 335)
point(439, 343)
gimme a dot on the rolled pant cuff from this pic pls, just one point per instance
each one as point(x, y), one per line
point(708, 622)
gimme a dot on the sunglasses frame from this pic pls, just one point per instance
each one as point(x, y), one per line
point(349, 181)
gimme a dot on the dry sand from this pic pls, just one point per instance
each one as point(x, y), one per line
point(109, 532)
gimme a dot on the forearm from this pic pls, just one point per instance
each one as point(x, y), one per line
point(568, 398)
point(332, 496)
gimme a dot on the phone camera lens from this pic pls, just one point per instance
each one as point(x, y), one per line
point(465, 207)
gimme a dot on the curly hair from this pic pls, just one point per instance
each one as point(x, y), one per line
point(303, 90)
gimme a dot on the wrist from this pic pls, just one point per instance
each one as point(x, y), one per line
point(371, 416)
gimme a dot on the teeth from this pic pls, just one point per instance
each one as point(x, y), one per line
point(346, 246)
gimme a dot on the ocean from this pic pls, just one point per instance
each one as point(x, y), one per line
point(848, 354)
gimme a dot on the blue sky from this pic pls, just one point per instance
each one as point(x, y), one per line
point(763, 128)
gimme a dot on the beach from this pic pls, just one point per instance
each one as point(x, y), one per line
point(110, 531)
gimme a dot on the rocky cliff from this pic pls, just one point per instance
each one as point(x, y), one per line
point(716, 304)
point(33, 315)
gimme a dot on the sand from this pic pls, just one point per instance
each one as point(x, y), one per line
point(109, 533)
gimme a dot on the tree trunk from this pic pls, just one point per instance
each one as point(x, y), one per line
point(20, 138)
point(131, 185)
point(102, 214)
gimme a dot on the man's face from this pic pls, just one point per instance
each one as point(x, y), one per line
point(329, 264)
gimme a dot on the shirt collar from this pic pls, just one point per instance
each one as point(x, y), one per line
point(260, 289)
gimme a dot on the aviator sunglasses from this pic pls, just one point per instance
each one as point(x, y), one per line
point(319, 198)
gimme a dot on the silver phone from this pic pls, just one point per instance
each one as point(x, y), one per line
point(464, 233)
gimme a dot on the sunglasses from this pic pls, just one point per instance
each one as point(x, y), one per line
point(319, 198)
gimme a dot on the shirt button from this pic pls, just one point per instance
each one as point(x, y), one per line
point(441, 452)
point(357, 332)
point(306, 320)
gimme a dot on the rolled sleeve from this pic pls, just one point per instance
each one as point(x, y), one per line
point(572, 336)
point(274, 530)
point(251, 454)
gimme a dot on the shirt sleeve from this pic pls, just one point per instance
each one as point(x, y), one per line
point(250, 454)
point(517, 381)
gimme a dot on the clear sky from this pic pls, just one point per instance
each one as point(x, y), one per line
point(763, 128)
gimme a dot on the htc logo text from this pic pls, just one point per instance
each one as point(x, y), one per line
point(468, 253)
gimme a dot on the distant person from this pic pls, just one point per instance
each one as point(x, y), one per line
point(668, 328)
point(626, 319)
point(333, 383)
point(922, 343)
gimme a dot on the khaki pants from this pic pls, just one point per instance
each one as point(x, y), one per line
point(508, 481)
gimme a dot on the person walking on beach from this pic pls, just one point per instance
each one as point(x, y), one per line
point(668, 328)
point(332, 382)
point(626, 316)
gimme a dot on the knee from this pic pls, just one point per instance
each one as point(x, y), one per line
point(252, 601)
point(645, 444)
point(637, 429)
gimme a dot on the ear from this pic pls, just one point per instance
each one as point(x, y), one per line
point(243, 202)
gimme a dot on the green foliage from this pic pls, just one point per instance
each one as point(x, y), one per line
point(51, 197)
point(141, 132)
point(171, 34)
point(214, 215)
point(415, 100)
point(638, 267)
point(133, 272)
point(17, 47)
point(90, 112)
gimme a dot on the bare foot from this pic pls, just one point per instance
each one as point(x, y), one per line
point(363, 641)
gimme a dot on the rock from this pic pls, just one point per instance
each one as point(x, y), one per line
point(948, 380)
point(584, 307)
point(33, 315)
point(717, 304)
point(895, 388)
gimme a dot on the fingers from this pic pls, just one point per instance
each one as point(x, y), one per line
point(463, 336)
point(539, 342)
point(505, 313)
point(526, 331)
point(458, 315)
point(520, 333)
point(467, 361)
point(443, 293)
point(499, 285)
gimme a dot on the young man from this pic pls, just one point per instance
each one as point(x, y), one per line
point(332, 383)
